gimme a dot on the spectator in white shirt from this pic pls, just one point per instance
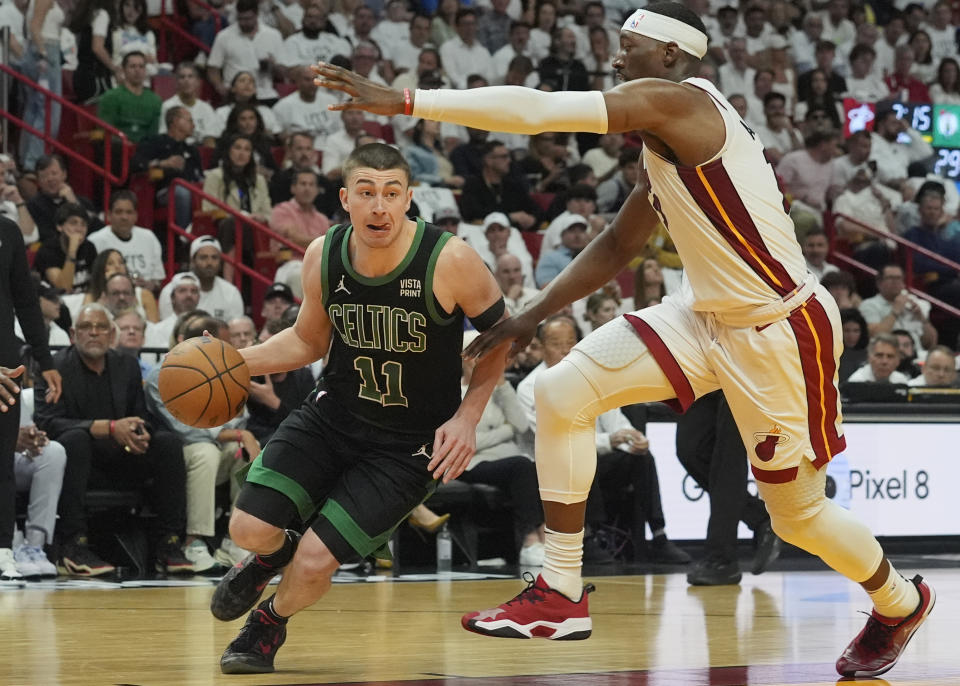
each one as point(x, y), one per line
point(865, 203)
point(777, 134)
point(836, 27)
point(815, 248)
point(510, 277)
point(12, 17)
point(942, 32)
point(863, 84)
point(367, 61)
point(883, 358)
point(757, 36)
point(924, 66)
point(206, 128)
point(392, 28)
point(184, 296)
point(604, 158)
point(217, 296)
point(463, 55)
point(893, 158)
point(404, 54)
point(939, 369)
point(946, 89)
point(762, 84)
point(140, 247)
point(893, 308)
point(803, 43)
point(342, 142)
point(243, 90)
point(736, 76)
point(246, 46)
point(312, 44)
point(305, 110)
point(894, 34)
point(518, 45)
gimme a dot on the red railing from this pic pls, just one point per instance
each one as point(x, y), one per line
point(909, 249)
point(104, 170)
point(166, 24)
point(240, 219)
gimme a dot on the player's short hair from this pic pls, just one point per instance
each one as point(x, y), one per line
point(675, 10)
point(123, 194)
point(379, 156)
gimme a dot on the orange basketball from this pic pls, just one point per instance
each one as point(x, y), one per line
point(204, 382)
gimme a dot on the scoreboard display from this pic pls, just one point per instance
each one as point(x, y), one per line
point(939, 124)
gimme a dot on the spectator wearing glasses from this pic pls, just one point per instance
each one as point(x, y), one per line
point(495, 190)
point(939, 369)
point(893, 308)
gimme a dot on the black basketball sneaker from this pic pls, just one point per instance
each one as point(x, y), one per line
point(240, 588)
point(254, 648)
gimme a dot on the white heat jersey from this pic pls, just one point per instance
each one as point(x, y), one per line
point(728, 220)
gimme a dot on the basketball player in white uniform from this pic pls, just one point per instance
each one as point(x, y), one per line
point(749, 319)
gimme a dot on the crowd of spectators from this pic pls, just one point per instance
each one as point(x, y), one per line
point(245, 121)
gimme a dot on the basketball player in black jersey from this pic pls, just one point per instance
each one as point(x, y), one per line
point(386, 297)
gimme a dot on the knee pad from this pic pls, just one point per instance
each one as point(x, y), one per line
point(801, 514)
point(566, 433)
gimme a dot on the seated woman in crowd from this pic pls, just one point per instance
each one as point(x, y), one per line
point(132, 33)
point(443, 25)
point(946, 89)
point(237, 183)
point(246, 120)
point(820, 98)
point(855, 339)
point(924, 67)
point(500, 461)
point(108, 263)
point(243, 90)
point(648, 284)
point(428, 164)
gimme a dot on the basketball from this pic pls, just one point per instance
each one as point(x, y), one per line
point(203, 382)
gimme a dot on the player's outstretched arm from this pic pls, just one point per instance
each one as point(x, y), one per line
point(600, 261)
point(463, 279)
point(308, 339)
point(641, 105)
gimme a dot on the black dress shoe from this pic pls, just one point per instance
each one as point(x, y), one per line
point(767, 548)
point(665, 551)
point(714, 571)
point(595, 553)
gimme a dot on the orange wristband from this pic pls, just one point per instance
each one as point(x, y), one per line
point(407, 102)
point(113, 424)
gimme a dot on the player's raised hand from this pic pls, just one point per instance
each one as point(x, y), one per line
point(519, 330)
point(364, 94)
point(453, 445)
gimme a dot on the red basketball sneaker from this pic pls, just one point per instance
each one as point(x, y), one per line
point(538, 612)
point(878, 647)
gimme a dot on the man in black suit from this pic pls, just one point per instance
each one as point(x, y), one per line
point(99, 419)
point(52, 192)
point(18, 298)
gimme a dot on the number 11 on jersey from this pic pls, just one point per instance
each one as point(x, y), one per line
point(370, 389)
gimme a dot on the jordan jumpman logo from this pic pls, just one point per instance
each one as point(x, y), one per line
point(341, 287)
point(422, 451)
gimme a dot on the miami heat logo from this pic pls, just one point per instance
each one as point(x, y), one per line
point(767, 442)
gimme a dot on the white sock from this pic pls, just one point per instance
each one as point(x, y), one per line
point(563, 557)
point(897, 598)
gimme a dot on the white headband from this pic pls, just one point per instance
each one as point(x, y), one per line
point(667, 30)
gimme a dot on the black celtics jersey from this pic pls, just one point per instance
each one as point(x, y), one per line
point(395, 354)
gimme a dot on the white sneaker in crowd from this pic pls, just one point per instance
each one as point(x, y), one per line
point(229, 554)
point(8, 566)
point(532, 555)
point(198, 553)
point(33, 562)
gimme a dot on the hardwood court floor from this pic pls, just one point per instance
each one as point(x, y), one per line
point(776, 629)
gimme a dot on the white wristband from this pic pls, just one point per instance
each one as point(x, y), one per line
point(514, 109)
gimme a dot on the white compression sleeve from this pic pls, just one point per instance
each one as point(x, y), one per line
point(514, 109)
